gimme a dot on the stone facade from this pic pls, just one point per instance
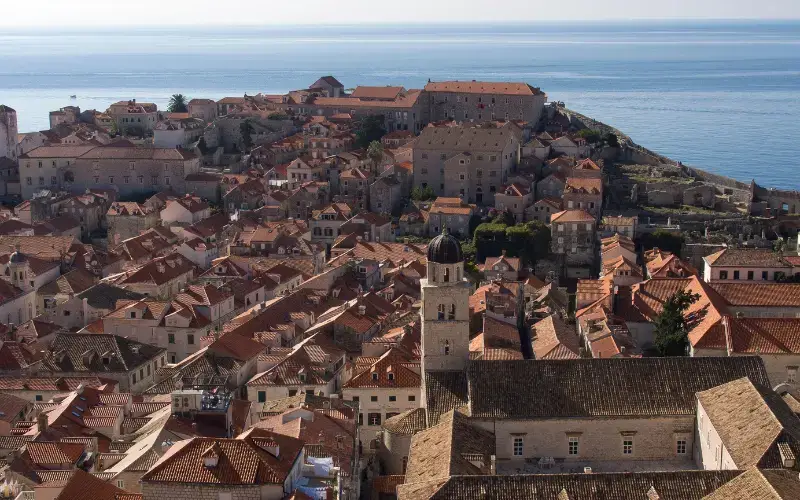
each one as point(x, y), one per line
point(8, 132)
point(484, 101)
point(466, 162)
point(187, 491)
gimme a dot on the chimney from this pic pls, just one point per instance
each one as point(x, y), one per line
point(362, 310)
point(41, 422)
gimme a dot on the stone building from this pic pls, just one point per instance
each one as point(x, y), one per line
point(8, 132)
point(515, 198)
point(467, 162)
point(452, 213)
point(584, 193)
point(258, 464)
point(205, 109)
point(46, 167)
point(131, 117)
point(484, 101)
point(131, 171)
point(129, 219)
point(573, 236)
point(746, 264)
point(383, 389)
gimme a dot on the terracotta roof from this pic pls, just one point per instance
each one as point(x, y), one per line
point(572, 216)
point(160, 270)
point(50, 453)
point(746, 257)
point(679, 485)
point(261, 457)
point(58, 151)
point(387, 372)
point(619, 220)
point(50, 248)
point(751, 422)
point(555, 340)
point(759, 294)
point(583, 185)
point(444, 449)
point(63, 384)
point(83, 485)
point(462, 138)
point(764, 335)
point(115, 152)
point(407, 423)
point(759, 484)
point(473, 87)
point(444, 391)
point(12, 407)
point(70, 353)
point(600, 387)
point(74, 282)
point(365, 92)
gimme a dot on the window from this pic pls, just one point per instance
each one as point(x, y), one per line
point(171, 338)
point(446, 347)
point(736, 275)
point(374, 399)
point(390, 376)
point(134, 378)
point(53, 180)
point(627, 447)
point(452, 314)
point(518, 446)
point(680, 447)
point(750, 275)
point(440, 312)
point(375, 376)
point(573, 446)
point(374, 419)
point(111, 179)
point(723, 275)
point(764, 275)
point(38, 397)
point(190, 339)
point(166, 181)
point(791, 374)
point(132, 165)
point(392, 399)
point(120, 484)
point(141, 179)
point(356, 399)
point(262, 396)
point(154, 180)
point(412, 398)
point(28, 181)
point(360, 419)
point(41, 181)
point(126, 179)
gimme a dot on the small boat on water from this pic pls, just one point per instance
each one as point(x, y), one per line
point(73, 96)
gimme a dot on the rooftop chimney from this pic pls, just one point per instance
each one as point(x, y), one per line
point(41, 422)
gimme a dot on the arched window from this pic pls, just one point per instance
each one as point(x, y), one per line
point(446, 274)
point(446, 347)
point(452, 314)
point(440, 311)
point(433, 278)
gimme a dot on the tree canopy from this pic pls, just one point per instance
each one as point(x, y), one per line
point(178, 104)
point(420, 193)
point(671, 332)
point(370, 129)
point(246, 131)
point(529, 241)
point(664, 240)
point(375, 152)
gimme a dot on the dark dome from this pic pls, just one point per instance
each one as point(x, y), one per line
point(444, 249)
point(17, 257)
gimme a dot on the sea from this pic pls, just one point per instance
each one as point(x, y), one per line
point(723, 96)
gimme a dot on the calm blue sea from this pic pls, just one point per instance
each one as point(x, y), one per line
point(724, 96)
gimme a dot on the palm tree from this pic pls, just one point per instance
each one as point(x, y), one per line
point(177, 104)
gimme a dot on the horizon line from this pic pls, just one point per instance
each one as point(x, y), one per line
point(212, 24)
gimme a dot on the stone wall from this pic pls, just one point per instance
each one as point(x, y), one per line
point(180, 491)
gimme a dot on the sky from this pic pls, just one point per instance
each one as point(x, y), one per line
point(107, 13)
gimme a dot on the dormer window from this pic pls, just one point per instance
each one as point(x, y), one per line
point(375, 376)
point(390, 375)
point(133, 314)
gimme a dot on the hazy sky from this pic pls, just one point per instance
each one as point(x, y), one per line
point(77, 13)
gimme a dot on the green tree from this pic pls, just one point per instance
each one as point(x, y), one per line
point(375, 152)
point(671, 331)
point(370, 129)
point(612, 140)
point(504, 217)
point(246, 131)
point(420, 193)
point(278, 116)
point(664, 240)
point(591, 136)
point(177, 104)
point(490, 240)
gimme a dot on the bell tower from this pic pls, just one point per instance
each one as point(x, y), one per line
point(445, 307)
